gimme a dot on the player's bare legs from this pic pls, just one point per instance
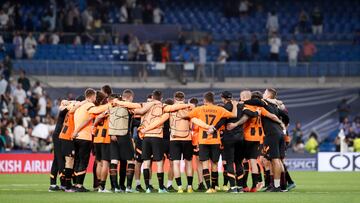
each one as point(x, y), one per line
point(170, 174)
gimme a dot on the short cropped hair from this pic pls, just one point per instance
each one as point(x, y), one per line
point(273, 92)
point(157, 95)
point(209, 97)
point(89, 92)
point(180, 96)
point(106, 89)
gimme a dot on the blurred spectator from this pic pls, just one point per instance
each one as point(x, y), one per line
point(298, 147)
point(42, 38)
point(8, 65)
point(6, 138)
point(123, 18)
point(242, 50)
point(30, 46)
point(87, 19)
point(200, 69)
point(41, 141)
point(18, 45)
point(187, 58)
point(309, 50)
point(221, 61)
point(244, 7)
point(292, 51)
point(72, 18)
point(77, 40)
point(165, 53)
point(272, 23)
point(345, 125)
point(255, 48)
point(312, 144)
point(142, 57)
point(3, 84)
point(317, 21)
point(42, 104)
point(357, 143)
point(297, 134)
point(2, 45)
point(24, 81)
point(4, 20)
point(302, 26)
point(137, 14)
point(19, 95)
point(22, 139)
point(148, 13)
point(181, 38)
point(157, 15)
point(356, 125)
point(275, 44)
point(343, 109)
point(133, 48)
point(349, 139)
point(54, 38)
point(37, 89)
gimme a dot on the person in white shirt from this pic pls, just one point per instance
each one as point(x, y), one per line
point(21, 138)
point(37, 89)
point(4, 19)
point(272, 23)
point(19, 94)
point(3, 85)
point(54, 39)
point(293, 52)
point(18, 45)
point(275, 44)
point(30, 46)
point(123, 14)
point(221, 60)
point(200, 71)
point(157, 15)
point(87, 19)
point(243, 7)
point(42, 107)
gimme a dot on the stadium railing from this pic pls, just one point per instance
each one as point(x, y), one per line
point(117, 69)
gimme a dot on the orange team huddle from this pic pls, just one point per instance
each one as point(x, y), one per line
point(249, 135)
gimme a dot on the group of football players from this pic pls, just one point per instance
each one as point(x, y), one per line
point(129, 139)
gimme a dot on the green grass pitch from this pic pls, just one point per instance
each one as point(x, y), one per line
point(312, 187)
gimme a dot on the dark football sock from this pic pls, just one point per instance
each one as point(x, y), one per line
point(239, 174)
point(73, 176)
point(267, 178)
point(161, 180)
point(283, 183)
point(271, 180)
point(207, 178)
point(68, 175)
point(260, 173)
point(178, 181)
point(122, 174)
point(189, 181)
point(255, 179)
point(214, 179)
point(130, 174)
point(288, 177)
point(62, 179)
point(95, 178)
point(246, 174)
point(226, 180)
point(147, 177)
point(102, 184)
point(113, 176)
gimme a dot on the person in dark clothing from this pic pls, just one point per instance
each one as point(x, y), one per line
point(24, 81)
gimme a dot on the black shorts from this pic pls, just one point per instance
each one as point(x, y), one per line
point(102, 151)
point(97, 150)
point(252, 150)
point(233, 151)
point(122, 149)
point(152, 148)
point(178, 148)
point(274, 146)
point(209, 151)
point(67, 148)
point(166, 148)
